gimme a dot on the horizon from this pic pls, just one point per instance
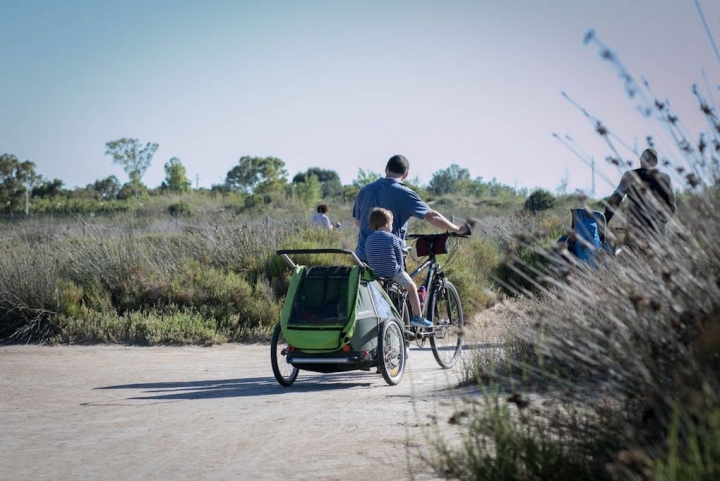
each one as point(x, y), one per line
point(344, 87)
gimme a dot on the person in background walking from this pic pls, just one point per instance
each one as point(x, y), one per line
point(321, 219)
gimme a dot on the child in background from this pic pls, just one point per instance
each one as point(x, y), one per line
point(384, 254)
point(321, 219)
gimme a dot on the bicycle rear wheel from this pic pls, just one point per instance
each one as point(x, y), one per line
point(448, 323)
point(395, 292)
point(285, 373)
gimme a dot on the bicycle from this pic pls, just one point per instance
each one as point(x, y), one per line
point(442, 308)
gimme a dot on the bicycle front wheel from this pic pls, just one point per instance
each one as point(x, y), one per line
point(448, 324)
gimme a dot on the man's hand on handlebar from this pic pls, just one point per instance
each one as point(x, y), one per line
point(467, 227)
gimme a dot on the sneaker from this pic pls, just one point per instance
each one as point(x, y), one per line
point(419, 321)
point(407, 353)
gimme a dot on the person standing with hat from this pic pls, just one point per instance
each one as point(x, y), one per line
point(651, 199)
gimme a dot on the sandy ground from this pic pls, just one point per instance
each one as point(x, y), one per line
point(116, 412)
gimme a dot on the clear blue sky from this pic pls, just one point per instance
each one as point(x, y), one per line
point(340, 85)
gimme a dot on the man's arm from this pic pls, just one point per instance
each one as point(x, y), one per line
point(619, 194)
point(613, 203)
point(436, 219)
point(672, 202)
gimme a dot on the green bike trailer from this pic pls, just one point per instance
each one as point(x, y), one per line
point(337, 318)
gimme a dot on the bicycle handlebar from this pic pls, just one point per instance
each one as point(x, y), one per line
point(438, 236)
point(468, 225)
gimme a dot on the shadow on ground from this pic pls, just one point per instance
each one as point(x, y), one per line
point(242, 387)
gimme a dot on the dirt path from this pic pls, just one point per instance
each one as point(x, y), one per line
point(114, 412)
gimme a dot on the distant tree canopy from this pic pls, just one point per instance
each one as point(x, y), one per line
point(261, 180)
point(132, 156)
point(329, 181)
point(452, 179)
point(48, 188)
point(107, 189)
point(257, 175)
point(365, 177)
point(176, 180)
point(132, 189)
point(309, 191)
point(15, 178)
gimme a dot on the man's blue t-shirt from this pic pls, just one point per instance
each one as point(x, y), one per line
point(390, 194)
point(384, 254)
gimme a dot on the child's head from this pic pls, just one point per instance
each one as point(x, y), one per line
point(322, 208)
point(381, 219)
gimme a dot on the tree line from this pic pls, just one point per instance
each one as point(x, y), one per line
point(257, 179)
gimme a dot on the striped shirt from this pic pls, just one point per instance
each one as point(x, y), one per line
point(384, 254)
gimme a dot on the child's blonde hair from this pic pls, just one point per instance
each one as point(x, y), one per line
point(380, 217)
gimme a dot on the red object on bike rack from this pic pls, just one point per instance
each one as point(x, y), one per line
point(422, 294)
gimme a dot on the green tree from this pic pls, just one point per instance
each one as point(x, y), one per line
point(539, 200)
point(478, 188)
point(452, 179)
point(133, 157)
point(498, 189)
point(48, 188)
point(257, 174)
point(329, 180)
point(176, 180)
point(364, 178)
point(309, 191)
point(131, 189)
point(107, 188)
point(16, 179)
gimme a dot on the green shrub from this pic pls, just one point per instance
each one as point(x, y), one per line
point(502, 441)
point(518, 272)
point(539, 200)
point(143, 328)
point(470, 270)
point(180, 209)
point(28, 295)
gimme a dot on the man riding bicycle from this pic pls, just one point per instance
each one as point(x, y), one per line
point(390, 193)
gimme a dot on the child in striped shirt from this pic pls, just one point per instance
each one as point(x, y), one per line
point(385, 257)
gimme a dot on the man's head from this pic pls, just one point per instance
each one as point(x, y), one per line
point(649, 158)
point(397, 167)
point(322, 208)
point(381, 219)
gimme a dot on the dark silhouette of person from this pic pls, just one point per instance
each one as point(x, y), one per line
point(651, 200)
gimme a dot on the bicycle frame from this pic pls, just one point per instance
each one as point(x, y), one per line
point(439, 290)
point(433, 270)
point(434, 274)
